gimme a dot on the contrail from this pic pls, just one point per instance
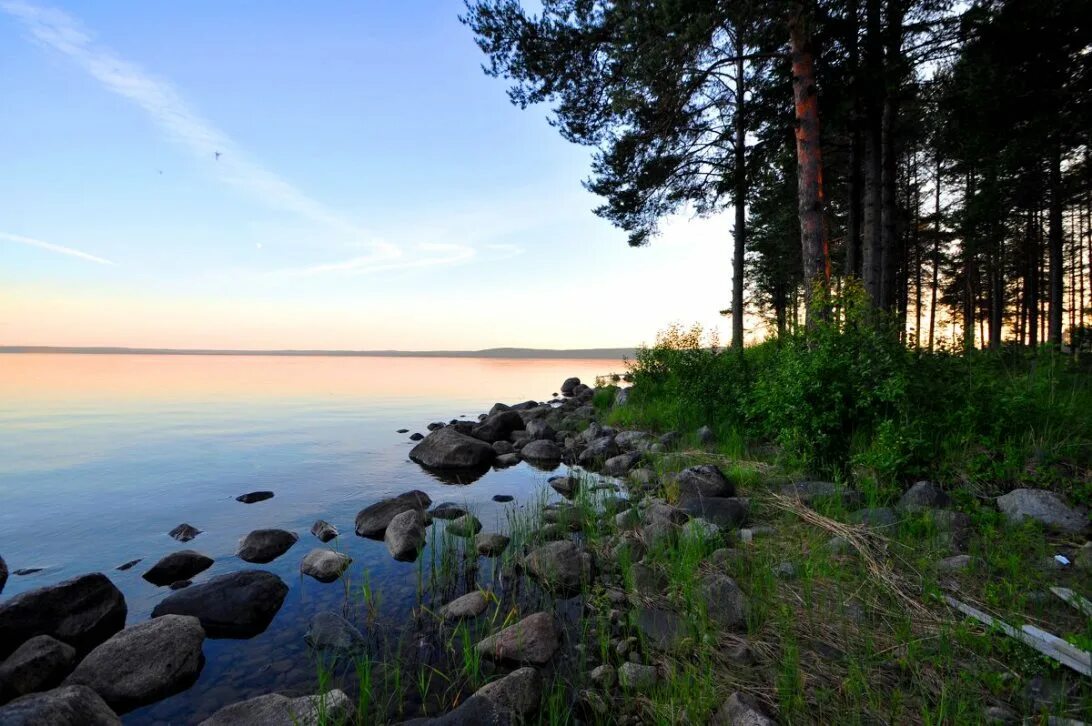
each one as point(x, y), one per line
point(59, 249)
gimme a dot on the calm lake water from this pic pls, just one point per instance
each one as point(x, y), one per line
point(102, 455)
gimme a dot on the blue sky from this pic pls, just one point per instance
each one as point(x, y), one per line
point(374, 189)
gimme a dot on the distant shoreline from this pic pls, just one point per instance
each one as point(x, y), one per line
point(576, 353)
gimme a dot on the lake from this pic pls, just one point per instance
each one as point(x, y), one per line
point(102, 455)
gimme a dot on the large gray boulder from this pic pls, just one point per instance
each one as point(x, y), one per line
point(741, 710)
point(519, 692)
point(273, 709)
point(39, 664)
point(266, 545)
point(923, 495)
point(561, 567)
point(181, 565)
point(661, 521)
point(236, 605)
point(566, 486)
point(498, 426)
point(539, 429)
point(705, 480)
point(144, 663)
point(330, 632)
point(620, 465)
point(446, 448)
point(598, 451)
point(324, 530)
point(532, 640)
point(82, 612)
point(725, 512)
point(1044, 507)
point(542, 451)
point(325, 565)
point(633, 440)
point(568, 385)
point(405, 535)
point(65, 706)
point(491, 544)
point(372, 521)
point(725, 603)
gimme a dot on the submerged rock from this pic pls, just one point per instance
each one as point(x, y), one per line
point(325, 565)
point(491, 544)
point(181, 565)
point(446, 448)
point(519, 692)
point(236, 605)
point(39, 664)
point(144, 663)
point(273, 709)
point(329, 631)
point(129, 565)
point(465, 526)
point(405, 535)
point(447, 510)
point(184, 532)
point(65, 706)
point(372, 521)
point(82, 612)
point(324, 530)
point(1045, 507)
point(252, 497)
point(502, 498)
point(533, 640)
point(266, 545)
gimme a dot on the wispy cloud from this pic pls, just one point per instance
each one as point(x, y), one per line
point(59, 249)
point(169, 110)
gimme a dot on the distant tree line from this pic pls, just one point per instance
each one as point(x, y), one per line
point(934, 153)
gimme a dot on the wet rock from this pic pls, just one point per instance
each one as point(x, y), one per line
point(705, 480)
point(266, 545)
point(372, 521)
point(129, 565)
point(1045, 507)
point(447, 510)
point(405, 535)
point(325, 565)
point(446, 448)
point(65, 706)
point(725, 512)
point(273, 709)
point(725, 603)
point(416, 436)
point(402, 431)
point(465, 526)
point(532, 640)
point(561, 567)
point(236, 605)
point(568, 385)
point(519, 692)
point(506, 460)
point(436, 426)
point(541, 450)
point(181, 565)
point(470, 605)
point(876, 517)
point(923, 495)
point(503, 447)
point(598, 451)
point(741, 710)
point(81, 612)
point(24, 571)
point(324, 530)
point(184, 532)
point(144, 663)
point(498, 426)
point(179, 584)
point(706, 436)
point(38, 664)
point(636, 677)
point(330, 632)
point(621, 464)
point(566, 486)
point(502, 498)
point(491, 544)
point(252, 497)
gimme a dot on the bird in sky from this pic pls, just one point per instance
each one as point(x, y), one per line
point(217, 155)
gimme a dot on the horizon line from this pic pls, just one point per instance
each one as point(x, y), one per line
point(502, 352)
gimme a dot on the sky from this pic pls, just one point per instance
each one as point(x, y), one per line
point(339, 175)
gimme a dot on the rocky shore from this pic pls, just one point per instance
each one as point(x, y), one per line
point(646, 567)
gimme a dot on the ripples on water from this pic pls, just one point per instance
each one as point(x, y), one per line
point(102, 455)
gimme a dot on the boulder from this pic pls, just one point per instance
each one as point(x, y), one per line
point(372, 521)
point(82, 612)
point(620, 465)
point(568, 385)
point(265, 545)
point(503, 498)
point(39, 664)
point(273, 709)
point(498, 408)
point(541, 450)
point(491, 544)
point(725, 512)
point(664, 630)
point(236, 605)
point(539, 429)
point(598, 451)
point(416, 436)
point(506, 460)
point(634, 440)
point(519, 692)
point(725, 603)
point(877, 517)
point(532, 640)
point(923, 495)
point(181, 565)
point(561, 566)
point(465, 526)
point(330, 632)
point(129, 565)
point(498, 426)
point(583, 390)
point(436, 425)
point(566, 486)
point(184, 532)
point(661, 521)
point(670, 440)
point(637, 677)
point(643, 478)
point(447, 510)
point(1045, 507)
point(741, 710)
point(325, 565)
point(705, 480)
point(470, 605)
point(144, 663)
point(449, 449)
point(405, 535)
point(252, 497)
point(65, 706)
point(324, 530)
point(503, 447)
point(706, 436)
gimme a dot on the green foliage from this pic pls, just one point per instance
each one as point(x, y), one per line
point(847, 398)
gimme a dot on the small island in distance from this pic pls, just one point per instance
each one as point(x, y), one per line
point(574, 353)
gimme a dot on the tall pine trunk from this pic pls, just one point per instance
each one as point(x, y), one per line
point(871, 230)
point(740, 202)
point(1054, 242)
point(936, 258)
point(853, 216)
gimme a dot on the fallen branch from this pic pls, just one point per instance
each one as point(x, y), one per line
point(1072, 598)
